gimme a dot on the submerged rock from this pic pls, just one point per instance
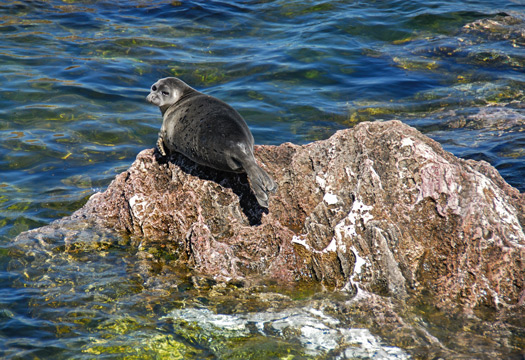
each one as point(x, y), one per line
point(501, 27)
point(317, 332)
point(379, 208)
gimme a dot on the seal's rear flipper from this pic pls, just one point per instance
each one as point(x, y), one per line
point(261, 183)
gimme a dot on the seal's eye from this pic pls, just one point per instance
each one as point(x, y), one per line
point(165, 93)
point(154, 88)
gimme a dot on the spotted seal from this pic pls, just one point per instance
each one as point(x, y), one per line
point(208, 131)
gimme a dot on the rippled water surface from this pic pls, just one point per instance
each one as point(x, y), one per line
point(73, 81)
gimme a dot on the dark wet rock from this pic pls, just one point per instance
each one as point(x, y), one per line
point(501, 27)
point(379, 208)
point(490, 118)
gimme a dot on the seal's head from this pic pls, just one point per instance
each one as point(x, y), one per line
point(167, 92)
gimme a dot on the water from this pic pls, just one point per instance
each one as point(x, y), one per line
point(74, 76)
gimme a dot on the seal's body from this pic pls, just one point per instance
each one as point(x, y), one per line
point(208, 131)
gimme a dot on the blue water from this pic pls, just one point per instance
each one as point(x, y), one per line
point(74, 76)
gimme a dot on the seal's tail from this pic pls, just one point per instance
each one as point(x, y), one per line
point(262, 184)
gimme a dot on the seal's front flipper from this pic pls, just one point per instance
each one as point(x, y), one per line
point(160, 145)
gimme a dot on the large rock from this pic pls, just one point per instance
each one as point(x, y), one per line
point(379, 208)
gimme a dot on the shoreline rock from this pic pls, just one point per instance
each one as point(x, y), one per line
point(379, 208)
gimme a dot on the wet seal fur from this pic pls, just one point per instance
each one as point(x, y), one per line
point(209, 132)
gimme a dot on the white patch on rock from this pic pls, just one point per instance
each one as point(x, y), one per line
point(320, 181)
point(332, 247)
point(330, 199)
point(504, 212)
point(133, 200)
point(354, 280)
point(346, 228)
point(301, 240)
point(349, 173)
point(359, 261)
point(427, 153)
point(136, 204)
point(407, 142)
point(359, 211)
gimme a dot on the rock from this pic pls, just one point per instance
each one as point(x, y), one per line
point(379, 208)
point(317, 332)
point(508, 27)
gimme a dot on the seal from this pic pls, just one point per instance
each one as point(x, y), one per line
point(208, 131)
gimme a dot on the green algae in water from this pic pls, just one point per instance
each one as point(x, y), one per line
point(312, 74)
point(261, 347)
point(292, 10)
point(142, 347)
point(162, 346)
point(79, 181)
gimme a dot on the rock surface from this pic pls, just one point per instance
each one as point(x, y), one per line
point(379, 208)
